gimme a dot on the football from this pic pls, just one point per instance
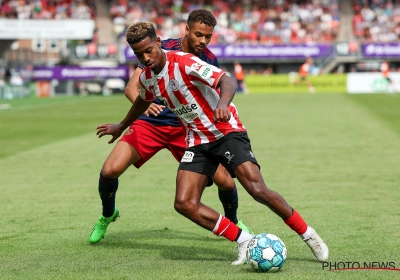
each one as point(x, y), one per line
point(266, 253)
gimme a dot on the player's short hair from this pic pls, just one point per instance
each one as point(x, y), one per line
point(202, 16)
point(139, 31)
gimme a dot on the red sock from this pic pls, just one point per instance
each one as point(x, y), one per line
point(296, 223)
point(227, 229)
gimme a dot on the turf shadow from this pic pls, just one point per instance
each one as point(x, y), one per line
point(167, 244)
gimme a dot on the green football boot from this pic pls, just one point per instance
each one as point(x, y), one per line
point(99, 229)
point(244, 227)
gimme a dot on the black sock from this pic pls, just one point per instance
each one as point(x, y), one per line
point(107, 190)
point(229, 201)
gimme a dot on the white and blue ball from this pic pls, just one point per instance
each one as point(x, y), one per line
point(266, 253)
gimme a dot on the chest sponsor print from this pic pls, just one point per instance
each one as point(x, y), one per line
point(187, 112)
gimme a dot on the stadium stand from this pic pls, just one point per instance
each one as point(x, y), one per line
point(241, 21)
point(52, 9)
point(376, 21)
point(269, 23)
point(42, 50)
point(246, 21)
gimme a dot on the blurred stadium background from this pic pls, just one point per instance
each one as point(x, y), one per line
point(65, 47)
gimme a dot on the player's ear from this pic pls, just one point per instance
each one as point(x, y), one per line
point(158, 42)
point(187, 30)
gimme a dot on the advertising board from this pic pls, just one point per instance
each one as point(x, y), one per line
point(372, 83)
point(284, 83)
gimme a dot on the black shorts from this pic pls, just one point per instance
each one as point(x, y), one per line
point(231, 151)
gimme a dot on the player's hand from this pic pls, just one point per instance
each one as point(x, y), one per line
point(154, 109)
point(222, 115)
point(114, 129)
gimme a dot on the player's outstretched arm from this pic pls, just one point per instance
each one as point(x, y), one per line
point(228, 88)
point(116, 129)
point(132, 92)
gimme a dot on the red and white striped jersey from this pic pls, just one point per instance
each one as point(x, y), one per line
point(187, 86)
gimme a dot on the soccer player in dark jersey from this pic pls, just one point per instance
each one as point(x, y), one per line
point(160, 128)
point(201, 96)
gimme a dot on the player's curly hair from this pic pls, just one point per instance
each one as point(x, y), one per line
point(139, 31)
point(202, 16)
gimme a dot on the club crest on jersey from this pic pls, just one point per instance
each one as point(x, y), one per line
point(173, 84)
point(187, 157)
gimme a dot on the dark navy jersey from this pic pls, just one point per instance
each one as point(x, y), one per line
point(166, 117)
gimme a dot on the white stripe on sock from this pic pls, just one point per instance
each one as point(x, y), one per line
point(218, 222)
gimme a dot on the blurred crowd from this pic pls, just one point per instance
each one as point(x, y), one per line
point(238, 21)
point(376, 20)
point(47, 9)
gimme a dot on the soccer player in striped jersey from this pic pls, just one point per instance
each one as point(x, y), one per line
point(160, 128)
point(201, 94)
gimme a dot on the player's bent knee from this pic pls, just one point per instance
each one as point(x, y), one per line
point(226, 185)
point(185, 207)
point(110, 171)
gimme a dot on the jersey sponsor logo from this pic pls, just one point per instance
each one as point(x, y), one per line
point(187, 157)
point(174, 84)
point(206, 72)
point(149, 82)
point(187, 112)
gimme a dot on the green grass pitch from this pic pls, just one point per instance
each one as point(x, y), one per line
point(335, 158)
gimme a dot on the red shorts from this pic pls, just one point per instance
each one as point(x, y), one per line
point(148, 139)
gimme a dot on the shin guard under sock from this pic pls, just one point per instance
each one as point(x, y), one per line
point(107, 190)
point(229, 201)
point(296, 223)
